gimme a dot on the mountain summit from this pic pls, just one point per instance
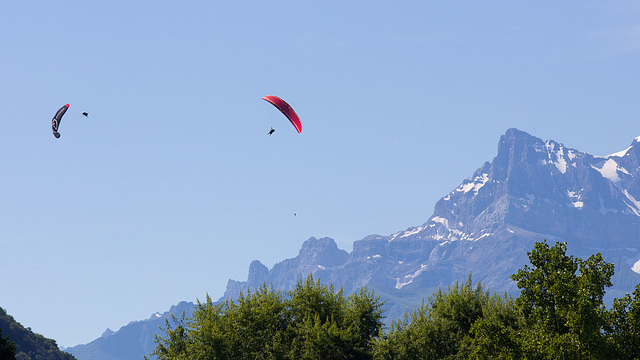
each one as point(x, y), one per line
point(532, 190)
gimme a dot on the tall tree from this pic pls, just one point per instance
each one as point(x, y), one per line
point(7, 348)
point(562, 303)
point(624, 331)
point(310, 322)
point(495, 335)
point(446, 326)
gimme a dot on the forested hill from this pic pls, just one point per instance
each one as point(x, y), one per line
point(29, 345)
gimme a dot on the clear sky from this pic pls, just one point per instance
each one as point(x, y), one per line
point(171, 186)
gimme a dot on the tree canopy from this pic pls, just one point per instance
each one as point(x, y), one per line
point(7, 348)
point(310, 322)
point(559, 314)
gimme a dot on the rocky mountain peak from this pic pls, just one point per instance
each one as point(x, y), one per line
point(544, 187)
point(323, 252)
point(257, 273)
point(516, 147)
point(107, 333)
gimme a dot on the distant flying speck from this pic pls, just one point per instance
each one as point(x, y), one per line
point(86, 114)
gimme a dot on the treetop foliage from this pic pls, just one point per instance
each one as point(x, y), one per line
point(310, 322)
point(559, 314)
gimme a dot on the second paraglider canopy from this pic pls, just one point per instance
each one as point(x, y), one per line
point(285, 109)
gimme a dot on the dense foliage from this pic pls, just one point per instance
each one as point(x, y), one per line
point(559, 314)
point(21, 343)
point(310, 322)
point(464, 322)
point(7, 348)
point(562, 306)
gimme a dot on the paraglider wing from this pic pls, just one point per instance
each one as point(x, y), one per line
point(55, 123)
point(286, 110)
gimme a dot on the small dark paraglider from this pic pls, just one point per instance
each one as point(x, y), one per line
point(286, 109)
point(271, 131)
point(86, 114)
point(55, 123)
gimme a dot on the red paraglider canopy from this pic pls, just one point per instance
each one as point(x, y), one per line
point(286, 110)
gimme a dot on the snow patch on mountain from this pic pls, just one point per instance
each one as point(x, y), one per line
point(412, 232)
point(486, 234)
point(560, 162)
point(635, 204)
point(441, 220)
point(621, 153)
point(636, 267)
point(474, 184)
point(408, 279)
point(450, 233)
point(561, 165)
point(406, 233)
point(575, 199)
point(609, 170)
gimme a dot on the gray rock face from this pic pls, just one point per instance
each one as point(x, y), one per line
point(547, 188)
point(317, 256)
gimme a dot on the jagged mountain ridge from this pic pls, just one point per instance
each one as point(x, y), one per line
point(571, 193)
point(531, 190)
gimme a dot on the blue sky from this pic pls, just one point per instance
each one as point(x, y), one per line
point(171, 186)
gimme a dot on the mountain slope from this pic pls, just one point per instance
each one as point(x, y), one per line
point(531, 190)
point(29, 345)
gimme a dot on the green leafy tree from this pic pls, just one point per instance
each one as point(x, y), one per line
point(447, 325)
point(174, 345)
point(624, 330)
point(253, 327)
point(7, 348)
point(562, 303)
point(328, 325)
point(495, 335)
point(310, 322)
